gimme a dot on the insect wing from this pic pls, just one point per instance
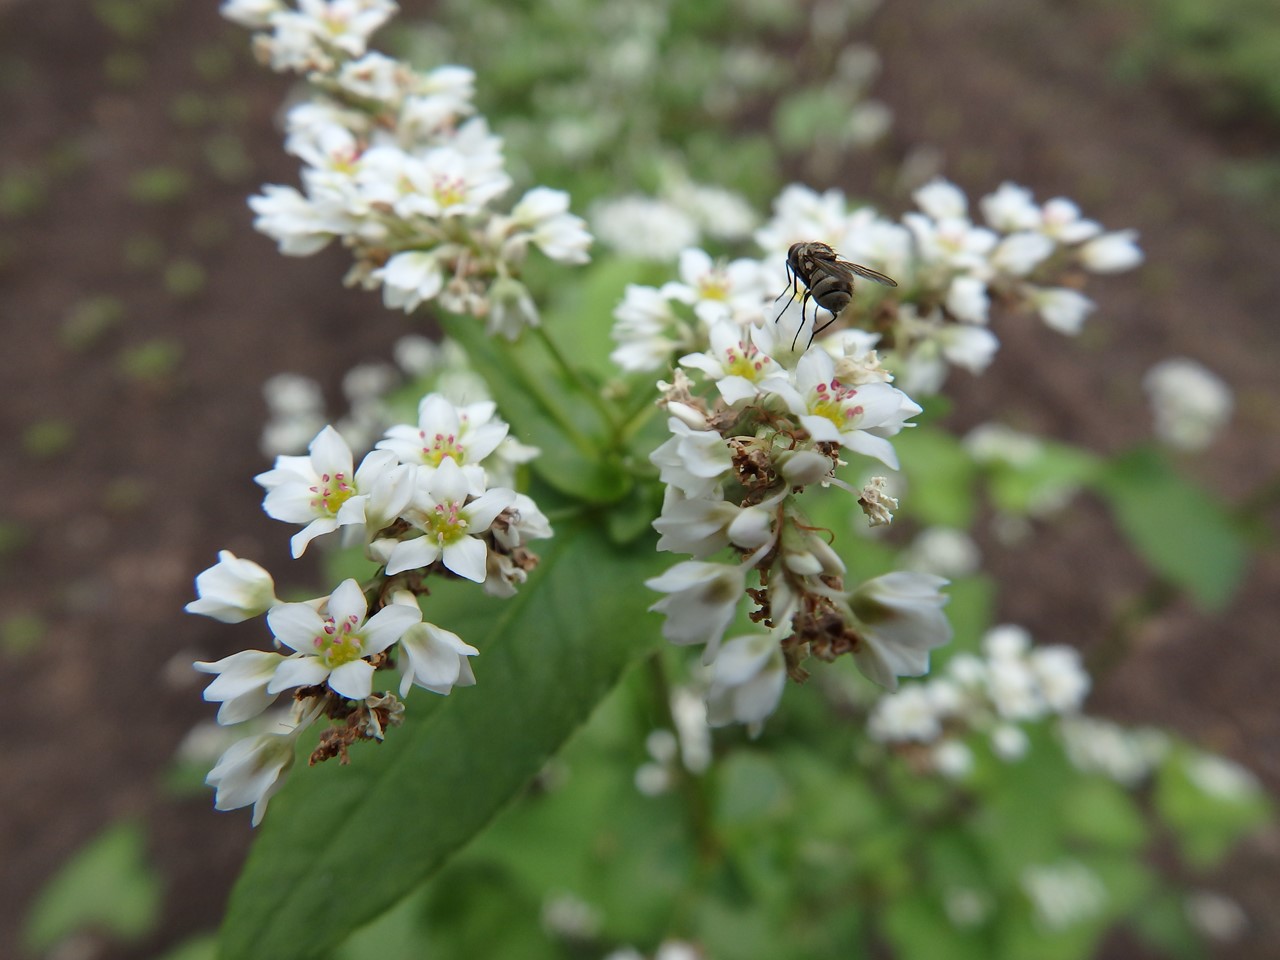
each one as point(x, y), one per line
point(868, 273)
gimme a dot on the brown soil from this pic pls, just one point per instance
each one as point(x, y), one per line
point(159, 474)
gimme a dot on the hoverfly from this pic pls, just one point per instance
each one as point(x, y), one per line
point(827, 280)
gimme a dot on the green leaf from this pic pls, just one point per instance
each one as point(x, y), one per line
point(941, 477)
point(1045, 481)
point(1099, 811)
point(1210, 802)
point(1180, 529)
point(107, 885)
point(341, 843)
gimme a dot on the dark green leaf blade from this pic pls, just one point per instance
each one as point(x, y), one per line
point(342, 843)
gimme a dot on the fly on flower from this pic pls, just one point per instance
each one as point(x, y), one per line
point(827, 280)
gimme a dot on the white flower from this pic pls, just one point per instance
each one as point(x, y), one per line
point(736, 363)
point(702, 598)
point(943, 551)
point(1010, 209)
point(1061, 308)
point(692, 461)
point(1020, 253)
point(747, 678)
point(434, 659)
point(410, 279)
point(643, 328)
point(900, 620)
point(735, 291)
point(967, 300)
point(701, 527)
point(851, 416)
point(1061, 221)
point(637, 226)
point(1064, 894)
point(1222, 778)
point(1061, 676)
point(249, 771)
point(320, 489)
point(241, 683)
point(1112, 252)
point(233, 590)
point(333, 646)
point(909, 714)
point(557, 233)
point(1191, 405)
point(451, 524)
point(1009, 742)
point(953, 759)
point(255, 14)
point(941, 200)
point(300, 226)
point(464, 434)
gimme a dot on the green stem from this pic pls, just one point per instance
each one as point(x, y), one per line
point(575, 375)
point(692, 787)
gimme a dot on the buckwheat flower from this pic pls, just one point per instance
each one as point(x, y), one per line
point(747, 678)
point(320, 489)
point(345, 25)
point(465, 434)
point(449, 184)
point(996, 443)
point(1009, 742)
point(1191, 405)
point(952, 759)
point(440, 97)
point(233, 590)
point(835, 413)
point(1060, 220)
point(1112, 252)
point(1064, 894)
point(717, 291)
point(254, 14)
point(1061, 676)
point(434, 658)
point(943, 551)
point(900, 620)
point(645, 329)
point(452, 523)
point(637, 226)
point(250, 770)
point(241, 684)
point(941, 200)
point(299, 226)
point(1222, 778)
point(702, 598)
point(692, 461)
point(1010, 208)
point(1061, 308)
point(967, 300)
point(333, 646)
point(1020, 253)
point(734, 362)
point(556, 232)
point(411, 278)
point(909, 714)
point(701, 527)
point(1100, 746)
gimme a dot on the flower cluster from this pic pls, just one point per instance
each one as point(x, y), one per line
point(398, 166)
point(423, 502)
point(950, 271)
point(1190, 404)
point(1012, 683)
point(770, 423)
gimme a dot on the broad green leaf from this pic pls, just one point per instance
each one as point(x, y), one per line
point(107, 885)
point(341, 843)
point(1180, 529)
point(919, 929)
